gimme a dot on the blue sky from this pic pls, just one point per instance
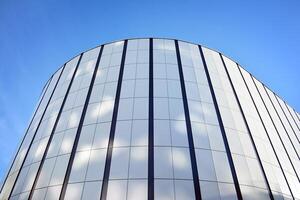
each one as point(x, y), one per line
point(36, 37)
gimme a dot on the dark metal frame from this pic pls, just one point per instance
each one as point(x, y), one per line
point(113, 127)
point(248, 129)
point(265, 129)
point(78, 133)
point(53, 131)
point(274, 125)
point(163, 38)
point(296, 114)
point(292, 116)
point(225, 140)
point(188, 127)
point(151, 126)
point(20, 145)
point(286, 116)
point(31, 142)
point(274, 107)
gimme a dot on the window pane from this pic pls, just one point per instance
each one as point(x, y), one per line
point(139, 133)
point(162, 134)
point(205, 165)
point(164, 189)
point(53, 193)
point(163, 157)
point(122, 134)
point(96, 165)
point(119, 163)
point(79, 166)
point(209, 190)
point(138, 167)
point(74, 191)
point(179, 133)
point(91, 190)
point(137, 190)
point(184, 190)
point(116, 189)
point(59, 170)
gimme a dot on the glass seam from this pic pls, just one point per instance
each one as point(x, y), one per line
point(78, 132)
point(248, 129)
point(287, 119)
point(194, 169)
point(17, 152)
point(267, 133)
point(282, 123)
point(53, 131)
point(36, 132)
point(275, 128)
point(105, 179)
point(291, 115)
point(221, 125)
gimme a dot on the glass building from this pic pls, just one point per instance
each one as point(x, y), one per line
point(156, 119)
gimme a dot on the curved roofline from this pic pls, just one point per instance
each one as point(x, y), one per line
point(138, 38)
point(165, 38)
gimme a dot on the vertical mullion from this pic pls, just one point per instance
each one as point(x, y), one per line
point(228, 152)
point(77, 136)
point(275, 128)
point(281, 122)
point(263, 124)
point(248, 129)
point(286, 118)
point(20, 145)
point(291, 115)
point(53, 130)
point(151, 126)
point(298, 117)
point(188, 126)
point(113, 127)
point(37, 128)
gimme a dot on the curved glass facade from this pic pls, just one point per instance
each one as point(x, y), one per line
point(156, 119)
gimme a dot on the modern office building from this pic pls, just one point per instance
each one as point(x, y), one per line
point(160, 119)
